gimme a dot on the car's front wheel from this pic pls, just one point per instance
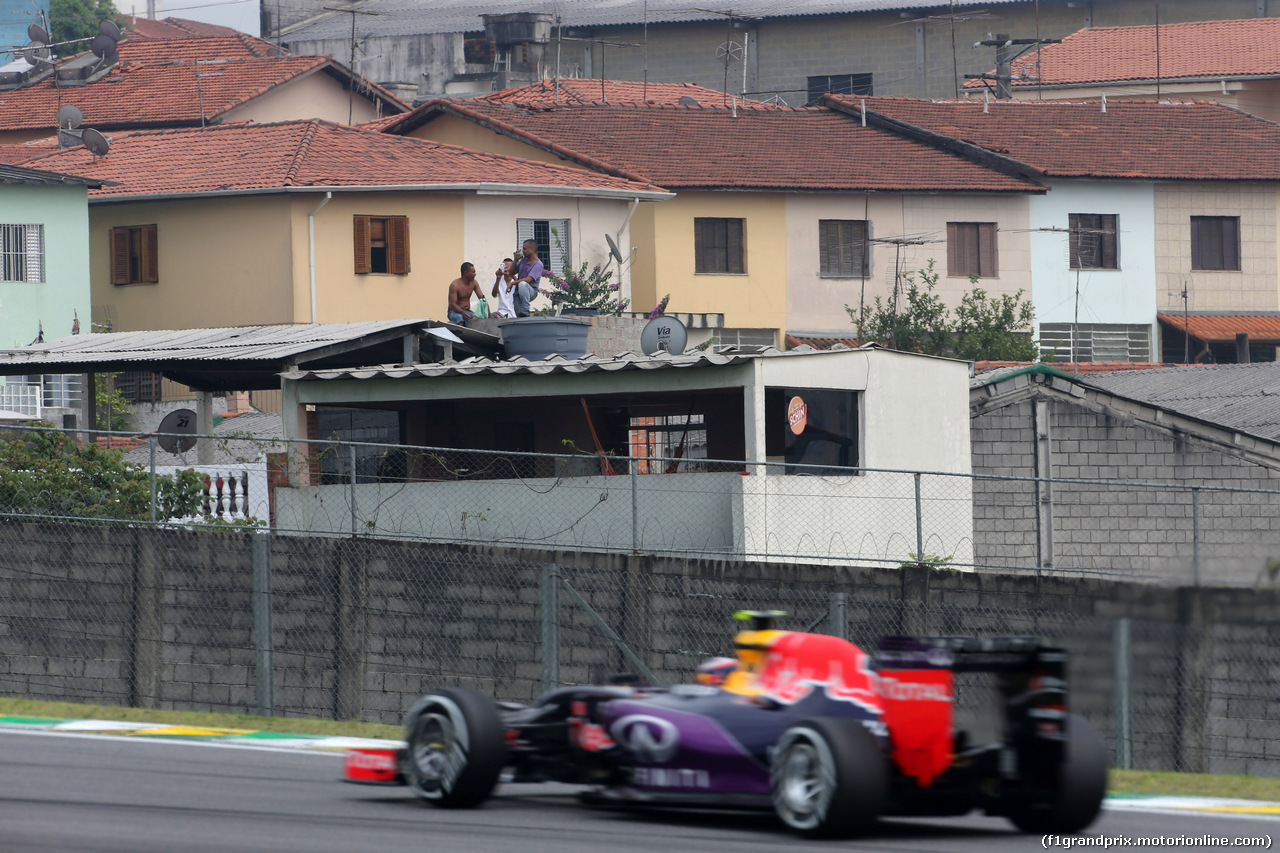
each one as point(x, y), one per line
point(455, 748)
point(829, 778)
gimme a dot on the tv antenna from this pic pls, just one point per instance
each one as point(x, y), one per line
point(731, 51)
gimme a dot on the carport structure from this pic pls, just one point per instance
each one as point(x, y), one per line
point(242, 358)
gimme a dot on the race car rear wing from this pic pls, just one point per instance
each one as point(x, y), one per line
point(969, 654)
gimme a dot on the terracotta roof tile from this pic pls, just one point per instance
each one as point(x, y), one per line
point(171, 28)
point(576, 90)
point(154, 85)
point(818, 342)
point(1248, 47)
point(1079, 368)
point(1223, 328)
point(1188, 140)
point(682, 147)
point(15, 154)
point(313, 153)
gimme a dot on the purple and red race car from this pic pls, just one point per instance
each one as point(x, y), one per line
point(807, 725)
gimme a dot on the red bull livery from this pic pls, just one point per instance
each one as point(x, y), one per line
point(809, 726)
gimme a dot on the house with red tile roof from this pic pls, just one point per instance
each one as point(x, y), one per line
point(311, 221)
point(782, 216)
point(192, 82)
point(1234, 62)
point(1153, 207)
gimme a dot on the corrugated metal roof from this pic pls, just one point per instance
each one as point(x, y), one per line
point(1245, 397)
point(415, 17)
point(239, 343)
point(553, 364)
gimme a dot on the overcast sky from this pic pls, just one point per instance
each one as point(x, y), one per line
point(241, 14)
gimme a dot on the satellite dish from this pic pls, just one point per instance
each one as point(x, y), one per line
point(69, 117)
point(663, 334)
point(613, 248)
point(177, 432)
point(95, 142)
point(688, 101)
point(104, 47)
point(110, 30)
point(38, 34)
point(37, 55)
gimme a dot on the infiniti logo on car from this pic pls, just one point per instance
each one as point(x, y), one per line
point(650, 739)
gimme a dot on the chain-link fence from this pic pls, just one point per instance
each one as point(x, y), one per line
point(250, 621)
point(735, 509)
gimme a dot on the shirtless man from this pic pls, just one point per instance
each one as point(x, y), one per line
point(460, 290)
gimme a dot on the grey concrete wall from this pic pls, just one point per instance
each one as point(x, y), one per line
point(905, 57)
point(1125, 529)
point(122, 615)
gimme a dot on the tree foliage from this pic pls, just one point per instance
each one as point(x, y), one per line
point(44, 472)
point(916, 319)
point(78, 19)
point(112, 408)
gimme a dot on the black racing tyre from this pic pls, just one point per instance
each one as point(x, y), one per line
point(1081, 786)
point(829, 778)
point(455, 749)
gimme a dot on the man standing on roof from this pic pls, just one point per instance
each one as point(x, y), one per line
point(460, 290)
point(528, 274)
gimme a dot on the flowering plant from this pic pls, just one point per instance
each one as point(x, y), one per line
point(585, 287)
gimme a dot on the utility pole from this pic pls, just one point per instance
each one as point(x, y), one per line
point(1005, 55)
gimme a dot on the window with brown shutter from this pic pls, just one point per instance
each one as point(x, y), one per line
point(842, 248)
point(381, 244)
point(1093, 241)
point(971, 249)
point(135, 255)
point(718, 246)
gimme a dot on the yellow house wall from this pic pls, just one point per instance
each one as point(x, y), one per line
point(1254, 286)
point(436, 250)
point(756, 299)
point(456, 131)
point(315, 96)
point(222, 261)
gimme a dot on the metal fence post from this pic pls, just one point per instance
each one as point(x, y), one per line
point(352, 458)
point(1195, 536)
point(635, 508)
point(151, 443)
point(262, 639)
point(919, 523)
point(550, 627)
point(1121, 632)
point(838, 614)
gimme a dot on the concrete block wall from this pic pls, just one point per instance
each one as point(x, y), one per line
point(1122, 528)
point(362, 627)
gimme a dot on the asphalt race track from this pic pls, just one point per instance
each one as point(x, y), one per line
point(72, 793)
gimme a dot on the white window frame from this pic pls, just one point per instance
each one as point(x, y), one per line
point(556, 259)
point(22, 252)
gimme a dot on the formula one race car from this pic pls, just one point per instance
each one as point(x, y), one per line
point(805, 724)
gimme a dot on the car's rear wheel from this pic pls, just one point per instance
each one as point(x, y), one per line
point(455, 748)
point(829, 778)
point(1078, 787)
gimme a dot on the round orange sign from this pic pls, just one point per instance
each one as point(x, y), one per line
point(797, 415)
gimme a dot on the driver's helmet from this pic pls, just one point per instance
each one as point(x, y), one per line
point(713, 672)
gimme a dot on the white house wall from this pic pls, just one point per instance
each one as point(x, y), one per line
point(490, 229)
point(1124, 295)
